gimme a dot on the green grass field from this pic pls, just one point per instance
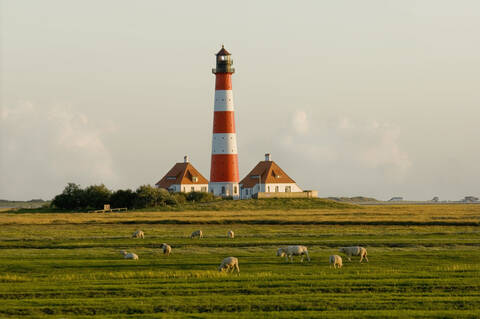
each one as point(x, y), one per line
point(424, 262)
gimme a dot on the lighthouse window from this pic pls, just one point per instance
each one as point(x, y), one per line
point(223, 58)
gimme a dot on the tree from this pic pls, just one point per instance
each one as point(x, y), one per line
point(146, 196)
point(70, 198)
point(95, 196)
point(123, 198)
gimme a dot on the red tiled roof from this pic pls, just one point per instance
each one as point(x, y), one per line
point(223, 51)
point(270, 173)
point(181, 173)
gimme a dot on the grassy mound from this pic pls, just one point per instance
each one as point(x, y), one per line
point(259, 204)
point(282, 204)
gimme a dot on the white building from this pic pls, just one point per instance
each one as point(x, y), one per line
point(267, 177)
point(183, 177)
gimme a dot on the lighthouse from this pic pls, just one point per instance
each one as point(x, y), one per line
point(224, 166)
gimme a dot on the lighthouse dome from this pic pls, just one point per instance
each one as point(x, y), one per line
point(223, 51)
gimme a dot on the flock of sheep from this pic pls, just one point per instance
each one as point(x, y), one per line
point(231, 263)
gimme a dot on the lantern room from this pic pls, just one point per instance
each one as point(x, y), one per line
point(224, 62)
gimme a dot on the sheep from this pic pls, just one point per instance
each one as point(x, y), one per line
point(354, 251)
point(138, 234)
point(229, 263)
point(129, 255)
point(231, 234)
point(336, 261)
point(167, 249)
point(197, 233)
point(290, 251)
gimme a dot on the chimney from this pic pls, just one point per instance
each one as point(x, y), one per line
point(185, 159)
point(268, 158)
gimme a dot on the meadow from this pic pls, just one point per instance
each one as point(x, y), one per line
point(424, 263)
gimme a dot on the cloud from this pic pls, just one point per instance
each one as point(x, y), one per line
point(385, 152)
point(45, 147)
point(346, 149)
point(300, 122)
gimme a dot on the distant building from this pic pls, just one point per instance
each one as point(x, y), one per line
point(183, 177)
point(267, 177)
point(435, 199)
point(396, 199)
point(470, 199)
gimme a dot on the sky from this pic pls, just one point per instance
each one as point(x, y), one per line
point(352, 98)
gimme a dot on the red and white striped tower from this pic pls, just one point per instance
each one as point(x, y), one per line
point(224, 169)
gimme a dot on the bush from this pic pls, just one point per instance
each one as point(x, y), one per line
point(181, 198)
point(200, 197)
point(149, 196)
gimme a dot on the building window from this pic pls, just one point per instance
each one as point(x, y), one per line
point(246, 192)
point(268, 189)
point(223, 189)
point(195, 179)
point(204, 189)
point(184, 190)
point(276, 189)
point(288, 189)
point(235, 189)
point(192, 189)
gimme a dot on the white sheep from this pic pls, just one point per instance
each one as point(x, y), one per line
point(354, 251)
point(197, 233)
point(167, 249)
point(336, 261)
point(129, 255)
point(229, 263)
point(231, 234)
point(138, 234)
point(290, 251)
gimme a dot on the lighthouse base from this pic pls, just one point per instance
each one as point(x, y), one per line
point(225, 189)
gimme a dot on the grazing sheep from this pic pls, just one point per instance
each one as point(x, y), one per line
point(197, 233)
point(138, 234)
point(129, 255)
point(290, 251)
point(231, 234)
point(166, 249)
point(354, 251)
point(336, 261)
point(229, 263)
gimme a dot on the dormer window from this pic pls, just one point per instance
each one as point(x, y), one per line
point(194, 179)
